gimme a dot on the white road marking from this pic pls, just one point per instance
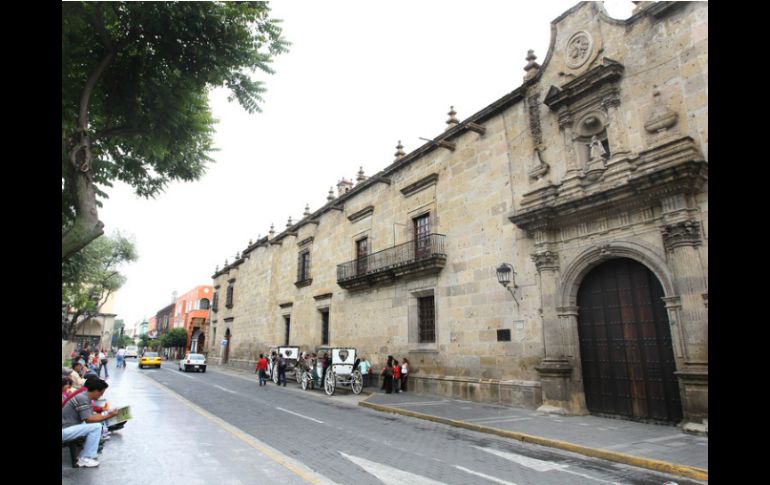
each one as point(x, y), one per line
point(486, 477)
point(533, 463)
point(539, 465)
point(389, 475)
point(300, 415)
point(185, 375)
point(226, 390)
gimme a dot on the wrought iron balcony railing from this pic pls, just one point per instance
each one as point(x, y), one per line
point(417, 256)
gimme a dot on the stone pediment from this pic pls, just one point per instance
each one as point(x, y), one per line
point(674, 166)
point(607, 71)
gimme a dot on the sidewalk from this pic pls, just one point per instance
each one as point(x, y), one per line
point(657, 447)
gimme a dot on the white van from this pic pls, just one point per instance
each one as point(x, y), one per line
point(132, 351)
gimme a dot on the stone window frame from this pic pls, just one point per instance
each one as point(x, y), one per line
point(230, 294)
point(413, 321)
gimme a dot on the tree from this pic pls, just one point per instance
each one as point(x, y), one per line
point(175, 338)
point(90, 277)
point(135, 81)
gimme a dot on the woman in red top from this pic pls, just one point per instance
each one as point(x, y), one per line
point(396, 376)
point(262, 369)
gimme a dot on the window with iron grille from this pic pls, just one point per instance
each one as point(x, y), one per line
point(215, 302)
point(303, 266)
point(229, 299)
point(427, 319)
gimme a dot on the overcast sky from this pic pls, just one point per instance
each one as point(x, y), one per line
point(359, 77)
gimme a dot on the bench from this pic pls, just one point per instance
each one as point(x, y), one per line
point(75, 446)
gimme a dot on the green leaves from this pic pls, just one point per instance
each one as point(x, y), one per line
point(147, 112)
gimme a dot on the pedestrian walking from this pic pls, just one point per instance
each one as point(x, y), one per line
point(281, 370)
point(325, 361)
point(262, 369)
point(404, 374)
point(103, 360)
point(120, 357)
point(366, 368)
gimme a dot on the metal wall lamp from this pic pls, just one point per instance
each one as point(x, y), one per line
point(506, 276)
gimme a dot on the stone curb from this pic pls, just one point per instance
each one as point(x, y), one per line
point(660, 466)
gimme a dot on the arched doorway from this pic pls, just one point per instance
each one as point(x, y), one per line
point(625, 343)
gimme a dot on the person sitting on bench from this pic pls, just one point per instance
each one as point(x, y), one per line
point(78, 420)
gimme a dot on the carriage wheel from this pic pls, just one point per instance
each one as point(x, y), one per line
point(274, 375)
point(356, 383)
point(298, 373)
point(304, 381)
point(330, 383)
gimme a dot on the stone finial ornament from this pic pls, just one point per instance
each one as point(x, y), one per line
point(272, 231)
point(216, 270)
point(289, 223)
point(237, 255)
point(399, 151)
point(225, 263)
point(361, 177)
point(251, 241)
point(452, 121)
point(330, 197)
point(307, 210)
point(532, 67)
point(661, 118)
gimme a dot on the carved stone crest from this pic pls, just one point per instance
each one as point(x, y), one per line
point(579, 49)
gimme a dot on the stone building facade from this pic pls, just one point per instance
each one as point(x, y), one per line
point(590, 180)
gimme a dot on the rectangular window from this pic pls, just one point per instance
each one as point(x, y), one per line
point(362, 251)
point(427, 319)
point(215, 302)
point(229, 299)
point(287, 319)
point(422, 235)
point(325, 328)
point(303, 266)
point(504, 335)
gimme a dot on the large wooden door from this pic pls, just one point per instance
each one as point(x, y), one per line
point(625, 344)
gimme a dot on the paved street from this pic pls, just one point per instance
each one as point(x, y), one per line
point(286, 435)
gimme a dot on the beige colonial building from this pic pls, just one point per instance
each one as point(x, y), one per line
point(589, 180)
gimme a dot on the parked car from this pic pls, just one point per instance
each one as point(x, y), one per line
point(195, 362)
point(132, 351)
point(149, 358)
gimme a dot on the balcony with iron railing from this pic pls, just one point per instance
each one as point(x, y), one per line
point(419, 257)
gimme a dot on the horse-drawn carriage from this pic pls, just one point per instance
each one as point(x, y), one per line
point(291, 355)
point(339, 373)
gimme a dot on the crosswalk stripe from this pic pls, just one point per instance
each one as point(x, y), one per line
point(539, 465)
point(389, 475)
point(533, 463)
point(486, 477)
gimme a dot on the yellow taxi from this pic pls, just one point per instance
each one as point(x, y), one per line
point(148, 359)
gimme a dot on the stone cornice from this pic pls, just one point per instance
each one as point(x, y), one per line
point(673, 167)
point(323, 297)
point(356, 216)
point(420, 184)
point(286, 304)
